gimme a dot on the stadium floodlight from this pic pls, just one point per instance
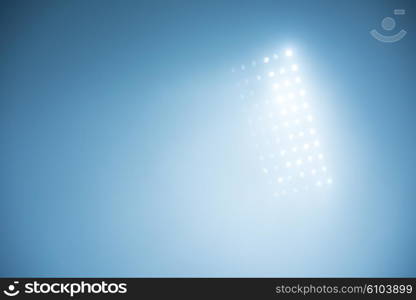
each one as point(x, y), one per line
point(283, 123)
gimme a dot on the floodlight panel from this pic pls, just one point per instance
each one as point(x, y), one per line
point(282, 123)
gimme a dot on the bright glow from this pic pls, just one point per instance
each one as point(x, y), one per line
point(282, 122)
point(294, 68)
point(289, 52)
point(319, 183)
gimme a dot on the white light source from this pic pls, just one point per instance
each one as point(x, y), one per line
point(319, 183)
point(282, 121)
point(294, 68)
point(289, 52)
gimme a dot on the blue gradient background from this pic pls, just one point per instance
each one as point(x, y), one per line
point(124, 151)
